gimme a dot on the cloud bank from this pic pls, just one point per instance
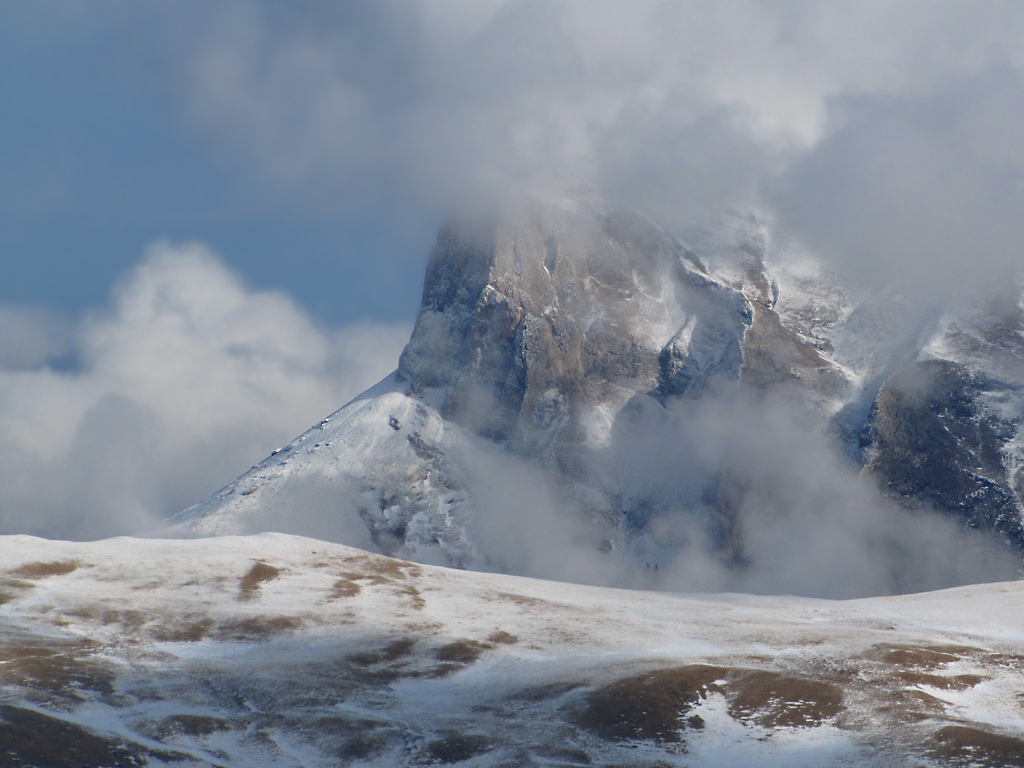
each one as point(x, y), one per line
point(731, 493)
point(186, 380)
point(880, 134)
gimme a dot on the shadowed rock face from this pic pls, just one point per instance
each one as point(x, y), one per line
point(945, 429)
point(551, 309)
point(933, 443)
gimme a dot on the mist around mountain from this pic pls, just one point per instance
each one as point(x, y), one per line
point(590, 396)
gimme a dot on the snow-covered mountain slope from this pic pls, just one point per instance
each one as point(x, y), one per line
point(566, 349)
point(276, 650)
point(385, 472)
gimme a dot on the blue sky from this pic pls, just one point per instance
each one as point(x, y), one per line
point(100, 160)
point(317, 146)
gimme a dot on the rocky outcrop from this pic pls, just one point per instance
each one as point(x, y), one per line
point(559, 316)
point(560, 307)
point(933, 444)
point(945, 432)
point(555, 308)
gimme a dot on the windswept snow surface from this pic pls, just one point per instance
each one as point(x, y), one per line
point(276, 650)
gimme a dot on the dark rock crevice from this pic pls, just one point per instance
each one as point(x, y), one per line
point(932, 444)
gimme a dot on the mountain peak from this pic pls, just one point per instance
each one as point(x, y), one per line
point(572, 303)
point(583, 384)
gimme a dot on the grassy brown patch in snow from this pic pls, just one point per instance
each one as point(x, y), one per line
point(86, 614)
point(523, 601)
point(398, 649)
point(415, 598)
point(1008, 660)
point(919, 657)
point(952, 683)
point(457, 747)
point(11, 588)
point(444, 670)
point(361, 746)
point(461, 651)
point(909, 705)
point(41, 570)
point(900, 669)
point(130, 620)
point(351, 739)
point(16, 584)
point(378, 570)
point(187, 629)
point(257, 575)
point(389, 653)
point(652, 705)
point(501, 637)
point(344, 588)
point(387, 663)
point(54, 671)
point(149, 586)
point(962, 745)
point(33, 738)
point(656, 705)
point(374, 579)
point(256, 628)
point(567, 756)
point(548, 691)
point(775, 700)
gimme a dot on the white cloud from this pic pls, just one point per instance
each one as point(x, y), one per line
point(805, 522)
point(675, 106)
point(507, 88)
point(925, 193)
point(183, 382)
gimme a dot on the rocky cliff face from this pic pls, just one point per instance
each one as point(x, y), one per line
point(563, 309)
point(560, 308)
point(945, 432)
point(564, 335)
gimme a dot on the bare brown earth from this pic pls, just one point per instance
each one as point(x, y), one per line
point(962, 745)
point(259, 573)
point(42, 570)
point(652, 705)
